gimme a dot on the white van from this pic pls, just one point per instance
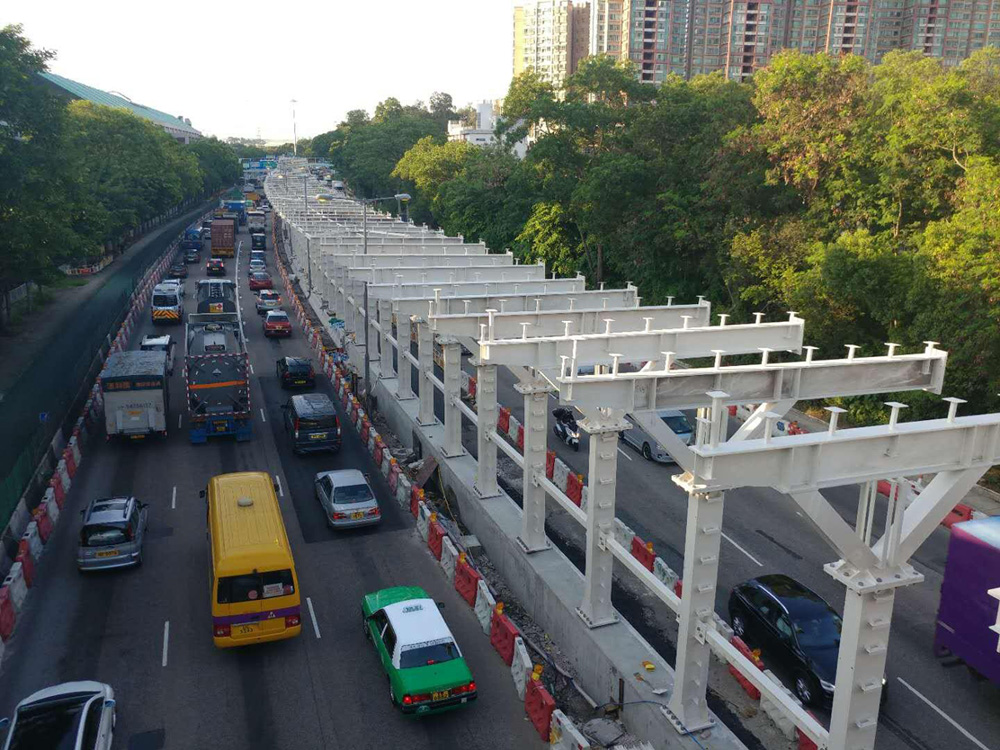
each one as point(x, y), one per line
point(166, 305)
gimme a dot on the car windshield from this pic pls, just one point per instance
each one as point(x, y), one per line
point(52, 724)
point(352, 494)
point(818, 632)
point(678, 424)
point(422, 656)
point(102, 535)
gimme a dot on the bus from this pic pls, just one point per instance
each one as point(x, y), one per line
point(254, 591)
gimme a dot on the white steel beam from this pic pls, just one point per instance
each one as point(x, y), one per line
point(449, 274)
point(553, 322)
point(551, 352)
point(686, 388)
point(417, 260)
point(467, 288)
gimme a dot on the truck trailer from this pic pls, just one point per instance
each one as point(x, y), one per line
point(223, 238)
point(967, 613)
point(217, 377)
point(135, 389)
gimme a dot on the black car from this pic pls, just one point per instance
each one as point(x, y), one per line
point(797, 630)
point(295, 372)
point(179, 269)
point(215, 267)
point(191, 256)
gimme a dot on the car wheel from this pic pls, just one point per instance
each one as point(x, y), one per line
point(806, 689)
point(138, 560)
point(392, 695)
point(739, 624)
point(646, 452)
point(364, 626)
point(576, 447)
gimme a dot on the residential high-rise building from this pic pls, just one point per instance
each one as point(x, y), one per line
point(551, 37)
point(689, 37)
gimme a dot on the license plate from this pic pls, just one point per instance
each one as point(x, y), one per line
point(137, 437)
point(357, 515)
point(248, 629)
point(220, 426)
point(108, 553)
point(318, 436)
point(300, 382)
point(440, 695)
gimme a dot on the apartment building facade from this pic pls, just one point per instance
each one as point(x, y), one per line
point(689, 37)
point(551, 37)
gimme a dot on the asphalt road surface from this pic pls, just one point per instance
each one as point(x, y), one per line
point(148, 632)
point(932, 704)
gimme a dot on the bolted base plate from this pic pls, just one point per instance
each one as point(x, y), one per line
point(449, 454)
point(434, 422)
point(529, 550)
point(482, 496)
point(677, 724)
point(596, 623)
point(867, 581)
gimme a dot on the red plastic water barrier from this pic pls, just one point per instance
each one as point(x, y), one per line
point(643, 553)
point(365, 426)
point(520, 438)
point(472, 387)
point(7, 614)
point(539, 705)
point(27, 564)
point(466, 582)
point(748, 686)
point(794, 429)
point(70, 462)
point(885, 486)
point(378, 452)
point(550, 464)
point(393, 478)
point(416, 495)
point(574, 488)
point(503, 420)
point(804, 742)
point(732, 410)
point(679, 587)
point(959, 513)
point(502, 635)
point(435, 533)
point(44, 523)
point(56, 484)
point(354, 413)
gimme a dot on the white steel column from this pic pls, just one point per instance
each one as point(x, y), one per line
point(486, 406)
point(688, 703)
point(596, 609)
point(373, 333)
point(425, 355)
point(404, 387)
point(452, 353)
point(536, 398)
point(385, 348)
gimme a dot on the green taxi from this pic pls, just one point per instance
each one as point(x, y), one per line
point(426, 671)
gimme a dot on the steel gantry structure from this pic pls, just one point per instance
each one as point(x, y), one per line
point(558, 337)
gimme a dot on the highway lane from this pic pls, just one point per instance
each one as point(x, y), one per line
point(175, 690)
point(765, 533)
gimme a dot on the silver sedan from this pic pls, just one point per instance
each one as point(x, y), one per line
point(347, 499)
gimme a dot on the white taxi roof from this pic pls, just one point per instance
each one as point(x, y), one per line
point(417, 621)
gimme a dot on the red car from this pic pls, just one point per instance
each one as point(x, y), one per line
point(276, 323)
point(260, 280)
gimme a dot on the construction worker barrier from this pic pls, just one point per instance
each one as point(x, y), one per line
point(8, 614)
point(75, 448)
point(377, 453)
point(372, 437)
point(520, 667)
point(51, 506)
point(560, 474)
point(643, 552)
point(774, 711)
point(539, 705)
point(466, 581)
point(32, 541)
point(502, 634)
point(748, 686)
point(513, 428)
point(27, 565)
point(41, 514)
point(423, 519)
point(472, 387)
point(365, 426)
point(520, 438)
point(623, 533)
point(70, 462)
point(403, 490)
point(355, 408)
point(55, 484)
point(435, 533)
point(416, 496)
point(15, 583)
point(449, 558)
point(574, 487)
point(804, 742)
point(679, 588)
point(387, 460)
point(584, 494)
point(550, 464)
point(63, 475)
point(393, 476)
point(959, 513)
point(503, 420)
point(485, 604)
point(563, 735)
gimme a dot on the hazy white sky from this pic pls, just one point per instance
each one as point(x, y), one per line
point(232, 67)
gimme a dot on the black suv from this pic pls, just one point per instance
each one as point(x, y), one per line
point(311, 420)
point(295, 372)
point(797, 630)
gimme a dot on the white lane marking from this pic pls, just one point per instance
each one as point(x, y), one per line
point(726, 537)
point(945, 716)
point(262, 414)
point(166, 640)
point(179, 418)
point(277, 479)
point(624, 454)
point(312, 614)
point(173, 499)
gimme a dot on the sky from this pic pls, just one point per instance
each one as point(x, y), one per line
point(234, 67)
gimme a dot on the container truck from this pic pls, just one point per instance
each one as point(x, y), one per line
point(134, 386)
point(968, 612)
point(239, 208)
point(216, 374)
point(223, 238)
point(256, 221)
point(216, 296)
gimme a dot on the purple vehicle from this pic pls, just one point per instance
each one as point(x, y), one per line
point(967, 611)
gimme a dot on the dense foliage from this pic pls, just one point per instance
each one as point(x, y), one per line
point(865, 197)
point(77, 176)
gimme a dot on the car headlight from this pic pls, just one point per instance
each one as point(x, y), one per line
point(575, 435)
point(827, 686)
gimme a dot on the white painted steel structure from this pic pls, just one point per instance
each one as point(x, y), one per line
point(545, 329)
